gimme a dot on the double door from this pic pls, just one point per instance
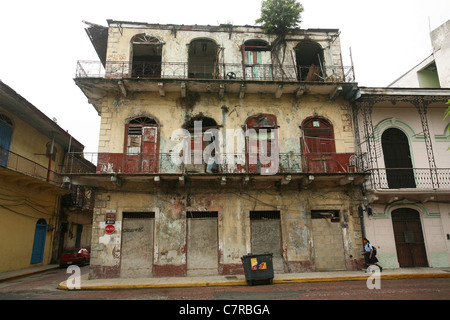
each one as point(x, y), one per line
point(409, 240)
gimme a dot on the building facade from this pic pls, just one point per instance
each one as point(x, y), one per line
point(214, 143)
point(36, 205)
point(403, 144)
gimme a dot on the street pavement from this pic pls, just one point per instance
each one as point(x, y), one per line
point(85, 283)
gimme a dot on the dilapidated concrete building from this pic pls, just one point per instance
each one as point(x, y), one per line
point(216, 142)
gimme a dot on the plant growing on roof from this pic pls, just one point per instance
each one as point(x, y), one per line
point(278, 17)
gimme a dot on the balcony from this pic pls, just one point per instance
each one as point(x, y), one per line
point(163, 163)
point(408, 184)
point(28, 168)
point(409, 178)
point(223, 71)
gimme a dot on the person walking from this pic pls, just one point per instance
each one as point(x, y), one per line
point(370, 255)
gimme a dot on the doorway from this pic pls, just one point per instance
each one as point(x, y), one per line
point(137, 245)
point(257, 60)
point(142, 146)
point(266, 236)
point(409, 240)
point(329, 253)
point(204, 56)
point(318, 145)
point(37, 254)
point(202, 252)
point(310, 61)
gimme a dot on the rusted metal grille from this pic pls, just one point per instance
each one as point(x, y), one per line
point(138, 215)
point(264, 215)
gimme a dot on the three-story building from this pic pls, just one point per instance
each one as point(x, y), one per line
point(215, 142)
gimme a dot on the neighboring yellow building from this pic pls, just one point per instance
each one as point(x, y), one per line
point(33, 150)
point(271, 169)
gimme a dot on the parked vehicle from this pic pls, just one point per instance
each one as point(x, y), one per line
point(79, 256)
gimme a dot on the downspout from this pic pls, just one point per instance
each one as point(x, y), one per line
point(50, 159)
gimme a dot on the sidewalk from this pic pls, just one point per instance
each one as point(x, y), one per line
point(239, 280)
point(10, 275)
point(229, 280)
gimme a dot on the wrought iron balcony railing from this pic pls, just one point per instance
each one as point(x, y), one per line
point(163, 163)
point(418, 178)
point(226, 71)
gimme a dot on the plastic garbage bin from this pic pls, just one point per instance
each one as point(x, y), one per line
point(258, 267)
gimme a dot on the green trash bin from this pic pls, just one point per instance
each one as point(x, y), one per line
point(258, 268)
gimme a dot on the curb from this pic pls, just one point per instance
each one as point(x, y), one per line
point(63, 285)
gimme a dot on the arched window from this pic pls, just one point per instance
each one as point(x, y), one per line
point(146, 52)
point(318, 136)
point(203, 59)
point(37, 254)
point(310, 62)
point(142, 145)
point(6, 129)
point(397, 159)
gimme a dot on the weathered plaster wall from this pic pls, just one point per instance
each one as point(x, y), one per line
point(234, 233)
point(231, 113)
point(175, 42)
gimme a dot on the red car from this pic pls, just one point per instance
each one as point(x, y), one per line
point(79, 256)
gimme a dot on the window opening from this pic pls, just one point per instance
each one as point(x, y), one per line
point(208, 163)
point(262, 140)
point(146, 53)
point(310, 61)
point(257, 60)
point(203, 59)
point(333, 215)
point(397, 159)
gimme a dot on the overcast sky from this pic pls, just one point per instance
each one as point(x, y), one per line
point(41, 42)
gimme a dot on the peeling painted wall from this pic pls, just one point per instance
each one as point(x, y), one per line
point(233, 202)
point(234, 235)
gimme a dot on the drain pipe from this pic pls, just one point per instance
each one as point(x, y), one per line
point(50, 159)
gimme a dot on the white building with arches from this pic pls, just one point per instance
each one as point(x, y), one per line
point(403, 141)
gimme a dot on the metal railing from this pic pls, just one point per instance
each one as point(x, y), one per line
point(18, 163)
point(223, 71)
point(416, 178)
point(167, 163)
